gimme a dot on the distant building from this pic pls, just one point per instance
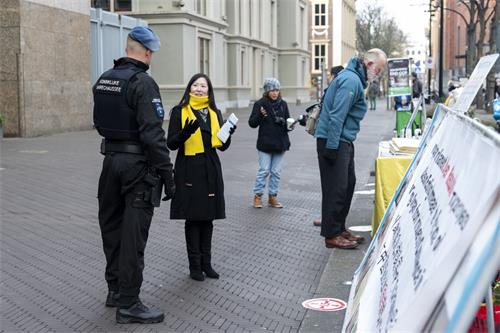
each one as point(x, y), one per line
point(455, 41)
point(237, 43)
point(417, 53)
point(332, 36)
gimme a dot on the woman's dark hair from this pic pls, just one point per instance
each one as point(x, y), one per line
point(211, 99)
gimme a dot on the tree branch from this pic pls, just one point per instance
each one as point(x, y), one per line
point(458, 13)
point(469, 8)
point(491, 14)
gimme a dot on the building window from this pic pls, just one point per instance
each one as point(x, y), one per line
point(113, 5)
point(320, 14)
point(204, 45)
point(273, 28)
point(242, 66)
point(250, 19)
point(201, 7)
point(123, 5)
point(319, 57)
point(302, 26)
point(104, 4)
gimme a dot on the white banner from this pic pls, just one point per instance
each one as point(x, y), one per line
point(440, 205)
point(474, 83)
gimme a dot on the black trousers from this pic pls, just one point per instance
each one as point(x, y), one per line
point(199, 243)
point(125, 214)
point(338, 180)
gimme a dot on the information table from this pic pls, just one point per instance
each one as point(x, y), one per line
point(389, 169)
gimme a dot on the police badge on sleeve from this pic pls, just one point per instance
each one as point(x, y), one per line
point(160, 112)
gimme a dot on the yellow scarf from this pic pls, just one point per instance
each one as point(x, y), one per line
point(194, 145)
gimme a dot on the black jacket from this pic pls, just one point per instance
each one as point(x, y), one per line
point(198, 179)
point(416, 88)
point(273, 134)
point(143, 96)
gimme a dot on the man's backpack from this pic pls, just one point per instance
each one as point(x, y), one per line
point(313, 117)
point(313, 114)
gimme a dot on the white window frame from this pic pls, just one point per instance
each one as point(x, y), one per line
point(320, 14)
point(319, 57)
point(201, 7)
point(204, 52)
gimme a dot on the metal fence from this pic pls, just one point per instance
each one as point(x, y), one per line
point(108, 38)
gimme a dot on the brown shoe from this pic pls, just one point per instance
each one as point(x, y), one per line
point(340, 243)
point(257, 201)
point(317, 223)
point(354, 238)
point(273, 202)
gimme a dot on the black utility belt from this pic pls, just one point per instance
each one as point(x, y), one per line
point(120, 147)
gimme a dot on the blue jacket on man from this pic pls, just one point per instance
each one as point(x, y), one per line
point(344, 106)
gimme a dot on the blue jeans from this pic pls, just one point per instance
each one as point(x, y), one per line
point(269, 165)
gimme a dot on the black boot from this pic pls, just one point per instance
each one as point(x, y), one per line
point(192, 232)
point(138, 313)
point(206, 250)
point(113, 299)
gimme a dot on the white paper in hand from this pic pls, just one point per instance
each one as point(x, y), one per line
point(223, 134)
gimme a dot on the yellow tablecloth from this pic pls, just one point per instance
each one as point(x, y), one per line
point(388, 174)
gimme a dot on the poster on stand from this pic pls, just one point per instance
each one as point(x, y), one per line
point(399, 77)
point(442, 203)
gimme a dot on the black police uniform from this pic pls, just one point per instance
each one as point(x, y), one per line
point(128, 113)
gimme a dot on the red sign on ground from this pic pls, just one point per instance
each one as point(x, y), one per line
point(325, 304)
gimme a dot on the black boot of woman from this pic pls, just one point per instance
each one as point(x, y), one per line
point(192, 230)
point(206, 249)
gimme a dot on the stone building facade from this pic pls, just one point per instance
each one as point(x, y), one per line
point(45, 84)
point(237, 43)
point(44, 66)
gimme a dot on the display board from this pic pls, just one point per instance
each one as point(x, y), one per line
point(443, 202)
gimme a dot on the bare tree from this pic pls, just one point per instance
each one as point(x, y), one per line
point(475, 19)
point(375, 29)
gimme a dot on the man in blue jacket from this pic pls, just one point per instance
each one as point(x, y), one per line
point(343, 109)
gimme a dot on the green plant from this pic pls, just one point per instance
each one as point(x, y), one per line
point(1, 119)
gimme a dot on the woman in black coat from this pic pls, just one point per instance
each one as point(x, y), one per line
point(270, 114)
point(199, 196)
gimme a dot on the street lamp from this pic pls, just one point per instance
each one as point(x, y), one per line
point(441, 28)
point(429, 70)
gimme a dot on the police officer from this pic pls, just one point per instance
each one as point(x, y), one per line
point(128, 113)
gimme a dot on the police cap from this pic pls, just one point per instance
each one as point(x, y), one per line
point(146, 37)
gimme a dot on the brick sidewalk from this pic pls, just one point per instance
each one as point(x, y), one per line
point(52, 263)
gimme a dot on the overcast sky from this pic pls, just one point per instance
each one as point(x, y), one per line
point(409, 14)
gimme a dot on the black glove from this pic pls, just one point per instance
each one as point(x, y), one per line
point(167, 178)
point(330, 154)
point(190, 126)
point(302, 120)
point(232, 129)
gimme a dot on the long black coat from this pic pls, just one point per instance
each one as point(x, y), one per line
point(199, 193)
point(272, 137)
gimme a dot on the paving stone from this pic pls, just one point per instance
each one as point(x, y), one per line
point(52, 263)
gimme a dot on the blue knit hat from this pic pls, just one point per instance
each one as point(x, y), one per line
point(271, 84)
point(146, 37)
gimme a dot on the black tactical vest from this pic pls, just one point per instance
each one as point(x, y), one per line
point(113, 117)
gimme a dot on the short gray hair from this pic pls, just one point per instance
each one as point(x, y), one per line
point(375, 55)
